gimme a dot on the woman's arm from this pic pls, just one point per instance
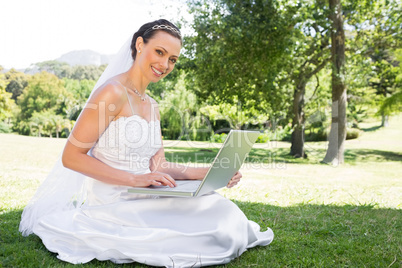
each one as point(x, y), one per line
point(101, 109)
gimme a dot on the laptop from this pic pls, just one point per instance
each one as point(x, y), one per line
point(225, 165)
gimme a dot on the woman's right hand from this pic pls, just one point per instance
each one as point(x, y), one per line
point(154, 178)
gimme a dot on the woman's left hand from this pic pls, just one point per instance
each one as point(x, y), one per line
point(235, 179)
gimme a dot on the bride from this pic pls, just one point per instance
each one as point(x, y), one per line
point(82, 211)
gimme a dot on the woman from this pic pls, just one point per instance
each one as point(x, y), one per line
point(116, 143)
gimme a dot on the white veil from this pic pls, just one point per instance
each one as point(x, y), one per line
point(64, 189)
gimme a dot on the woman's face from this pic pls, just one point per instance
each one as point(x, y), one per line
point(158, 57)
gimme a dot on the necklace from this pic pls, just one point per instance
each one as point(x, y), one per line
point(139, 94)
point(132, 87)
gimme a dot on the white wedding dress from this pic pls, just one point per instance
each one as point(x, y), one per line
point(171, 232)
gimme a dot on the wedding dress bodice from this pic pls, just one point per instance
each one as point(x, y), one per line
point(127, 144)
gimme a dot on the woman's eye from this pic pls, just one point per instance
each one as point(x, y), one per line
point(159, 52)
point(173, 60)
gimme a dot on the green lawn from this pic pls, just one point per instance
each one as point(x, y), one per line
point(322, 216)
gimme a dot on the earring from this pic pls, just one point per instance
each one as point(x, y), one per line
point(139, 51)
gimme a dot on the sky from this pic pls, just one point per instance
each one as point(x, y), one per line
point(38, 30)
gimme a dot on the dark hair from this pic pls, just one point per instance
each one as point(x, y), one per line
point(146, 32)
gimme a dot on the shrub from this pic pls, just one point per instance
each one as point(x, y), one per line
point(219, 137)
point(352, 133)
point(317, 134)
point(321, 134)
point(280, 133)
point(4, 128)
point(263, 138)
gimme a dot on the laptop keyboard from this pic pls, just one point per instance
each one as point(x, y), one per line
point(182, 186)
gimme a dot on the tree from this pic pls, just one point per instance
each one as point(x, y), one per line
point(47, 123)
point(337, 135)
point(260, 50)
point(16, 82)
point(361, 97)
point(310, 54)
point(6, 102)
point(87, 72)
point(376, 35)
point(180, 117)
point(234, 115)
point(383, 78)
point(45, 92)
point(393, 104)
point(60, 69)
point(64, 70)
point(236, 51)
point(80, 90)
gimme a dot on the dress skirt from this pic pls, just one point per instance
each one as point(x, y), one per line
point(169, 232)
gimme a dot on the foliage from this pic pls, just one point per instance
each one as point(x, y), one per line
point(219, 137)
point(317, 108)
point(87, 72)
point(6, 104)
point(321, 134)
point(77, 72)
point(236, 49)
point(245, 64)
point(4, 128)
point(393, 104)
point(263, 138)
point(307, 56)
point(180, 118)
point(236, 115)
point(383, 79)
point(45, 93)
point(376, 36)
point(80, 90)
point(60, 69)
point(279, 133)
point(352, 133)
point(16, 82)
point(47, 123)
point(361, 97)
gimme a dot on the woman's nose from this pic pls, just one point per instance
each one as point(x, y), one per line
point(164, 64)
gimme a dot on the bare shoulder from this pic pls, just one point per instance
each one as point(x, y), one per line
point(110, 93)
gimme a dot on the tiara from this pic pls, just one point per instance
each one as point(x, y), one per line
point(162, 27)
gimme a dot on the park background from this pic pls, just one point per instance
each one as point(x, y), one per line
point(295, 70)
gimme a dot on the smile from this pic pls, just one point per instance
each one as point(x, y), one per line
point(156, 71)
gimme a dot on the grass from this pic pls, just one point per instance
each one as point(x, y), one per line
point(322, 216)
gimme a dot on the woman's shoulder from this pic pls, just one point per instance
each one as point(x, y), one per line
point(111, 91)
